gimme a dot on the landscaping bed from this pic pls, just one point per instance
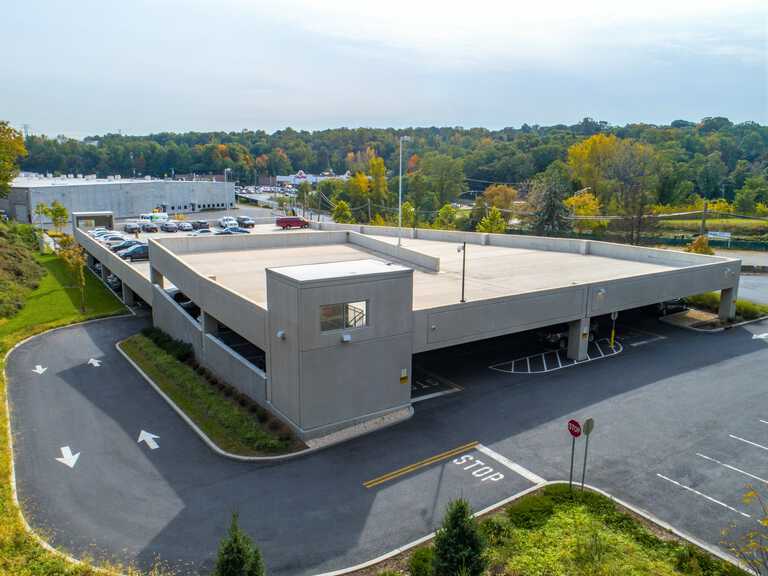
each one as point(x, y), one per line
point(230, 419)
point(745, 309)
point(556, 532)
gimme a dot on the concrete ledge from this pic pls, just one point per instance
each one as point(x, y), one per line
point(430, 263)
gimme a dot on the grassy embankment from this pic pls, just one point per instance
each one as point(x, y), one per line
point(554, 532)
point(231, 420)
point(745, 309)
point(53, 303)
point(736, 226)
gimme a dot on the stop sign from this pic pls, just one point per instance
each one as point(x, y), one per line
point(574, 428)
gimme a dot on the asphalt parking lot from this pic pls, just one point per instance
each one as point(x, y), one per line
point(679, 431)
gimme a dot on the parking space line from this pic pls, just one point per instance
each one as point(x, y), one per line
point(739, 438)
point(516, 468)
point(421, 464)
point(723, 504)
point(644, 342)
point(527, 367)
point(716, 461)
point(764, 421)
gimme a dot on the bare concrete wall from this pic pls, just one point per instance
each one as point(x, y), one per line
point(187, 244)
point(430, 263)
point(239, 313)
point(174, 321)
point(234, 369)
point(119, 267)
point(283, 352)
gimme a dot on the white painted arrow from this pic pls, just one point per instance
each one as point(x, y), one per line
point(95, 363)
point(763, 336)
point(67, 457)
point(149, 439)
point(39, 369)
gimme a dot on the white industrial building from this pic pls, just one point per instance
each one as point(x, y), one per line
point(124, 197)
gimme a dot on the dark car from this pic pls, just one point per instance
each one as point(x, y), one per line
point(138, 252)
point(149, 227)
point(557, 336)
point(232, 230)
point(246, 221)
point(131, 228)
point(286, 222)
point(169, 227)
point(124, 245)
point(200, 224)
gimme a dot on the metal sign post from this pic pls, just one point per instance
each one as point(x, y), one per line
point(574, 428)
point(614, 315)
point(589, 425)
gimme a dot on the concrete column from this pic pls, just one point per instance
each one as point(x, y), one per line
point(90, 260)
point(104, 272)
point(210, 324)
point(727, 309)
point(129, 298)
point(578, 339)
point(155, 277)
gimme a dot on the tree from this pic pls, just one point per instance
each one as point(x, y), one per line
point(42, 210)
point(304, 194)
point(446, 176)
point(589, 162)
point(237, 555)
point(584, 203)
point(752, 547)
point(459, 545)
point(379, 190)
point(58, 214)
point(11, 149)
point(73, 256)
point(446, 217)
point(547, 197)
point(758, 185)
point(408, 214)
point(501, 196)
point(494, 223)
point(341, 213)
point(357, 192)
point(745, 201)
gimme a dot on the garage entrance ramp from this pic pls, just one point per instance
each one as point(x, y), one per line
point(552, 360)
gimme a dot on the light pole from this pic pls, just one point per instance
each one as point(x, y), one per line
point(463, 250)
point(400, 191)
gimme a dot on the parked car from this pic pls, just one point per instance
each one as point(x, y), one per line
point(286, 222)
point(233, 230)
point(184, 227)
point(169, 226)
point(245, 221)
point(138, 252)
point(202, 232)
point(200, 224)
point(111, 238)
point(149, 227)
point(131, 227)
point(670, 306)
point(125, 244)
point(557, 336)
point(227, 222)
point(114, 282)
point(99, 230)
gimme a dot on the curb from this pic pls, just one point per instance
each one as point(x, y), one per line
point(717, 330)
point(215, 447)
point(713, 550)
point(12, 467)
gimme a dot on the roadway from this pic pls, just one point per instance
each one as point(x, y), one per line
point(667, 401)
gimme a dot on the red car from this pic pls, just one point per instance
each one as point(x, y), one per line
point(291, 222)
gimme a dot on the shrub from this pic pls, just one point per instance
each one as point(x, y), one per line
point(459, 545)
point(700, 246)
point(237, 554)
point(532, 512)
point(421, 562)
point(182, 351)
point(495, 530)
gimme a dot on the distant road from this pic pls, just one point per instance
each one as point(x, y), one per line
point(754, 287)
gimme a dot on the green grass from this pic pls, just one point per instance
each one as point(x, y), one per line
point(228, 424)
point(734, 225)
point(745, 309)
point(53, 303)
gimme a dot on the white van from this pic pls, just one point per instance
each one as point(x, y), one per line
point(154, 217)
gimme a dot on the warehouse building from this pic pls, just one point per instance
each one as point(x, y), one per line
point(125, 198)
point(320, 326)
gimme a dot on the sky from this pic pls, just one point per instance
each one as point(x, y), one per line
point(85, 67)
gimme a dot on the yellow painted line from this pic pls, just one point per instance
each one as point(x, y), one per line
point(421, 464)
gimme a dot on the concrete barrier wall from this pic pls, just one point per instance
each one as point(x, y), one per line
point(174, 321)
point(459, 323)
point(623, 294)
point(452, 236)
point(134, 279)
point(402, 253)
point(239, 313)
point(571, 245)
point(652, 255)
point(286, 239)
point(234, 369)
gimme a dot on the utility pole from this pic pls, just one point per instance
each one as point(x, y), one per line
point(369, 209)
point(400, 192)
point(703, 227)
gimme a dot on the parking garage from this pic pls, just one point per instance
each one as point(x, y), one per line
point(321, 326)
